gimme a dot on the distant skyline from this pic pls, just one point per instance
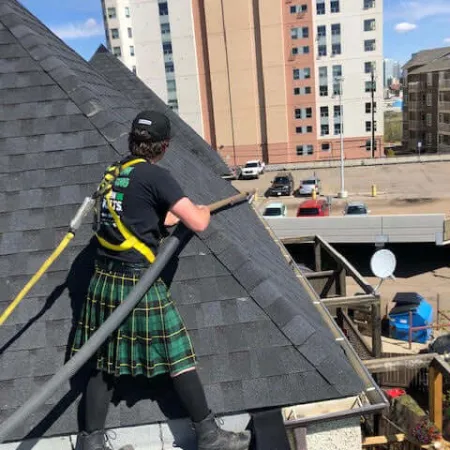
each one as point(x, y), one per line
point(409, 25)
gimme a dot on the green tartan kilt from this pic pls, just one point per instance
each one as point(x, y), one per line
point(151, 341)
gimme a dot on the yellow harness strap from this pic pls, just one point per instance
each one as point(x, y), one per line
point(130, 240)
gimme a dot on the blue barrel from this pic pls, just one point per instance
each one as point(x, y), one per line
point(422, 315)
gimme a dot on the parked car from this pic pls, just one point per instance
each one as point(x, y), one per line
point(356, 209)
point(306, 186)
point(275, 210)
point(234, 174)
point(313, 208)
point(253, 169)
point(282, 184)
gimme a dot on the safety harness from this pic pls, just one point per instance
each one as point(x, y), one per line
point(130, 241)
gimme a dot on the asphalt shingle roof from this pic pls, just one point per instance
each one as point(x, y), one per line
point(426, 56)
point(260, 340)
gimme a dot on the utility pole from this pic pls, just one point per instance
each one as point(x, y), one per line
point(342, 193)
point(372, 141)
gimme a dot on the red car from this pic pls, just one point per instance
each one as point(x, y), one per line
point(313, 208)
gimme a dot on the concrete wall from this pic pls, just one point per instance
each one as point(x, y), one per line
point(344, 434)
point(369, 229)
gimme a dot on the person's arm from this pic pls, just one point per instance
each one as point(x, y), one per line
point(171, 220)
point(195, 217)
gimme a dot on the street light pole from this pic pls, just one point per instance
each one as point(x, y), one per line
point(342, 193)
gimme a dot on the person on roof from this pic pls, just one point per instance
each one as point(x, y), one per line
point(153, 340)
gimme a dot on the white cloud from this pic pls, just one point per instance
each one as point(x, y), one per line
point(404, 27)
point(81, 30)
point(413, 10)
point(447, 40)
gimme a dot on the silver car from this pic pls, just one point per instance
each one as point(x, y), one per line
point(356, 209)
point(307, 186)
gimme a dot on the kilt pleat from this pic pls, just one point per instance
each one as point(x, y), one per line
point(151, 341)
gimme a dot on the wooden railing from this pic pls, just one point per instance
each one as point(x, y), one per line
point(393, 442)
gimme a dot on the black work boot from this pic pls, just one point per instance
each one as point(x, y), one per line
point(211, 437)
point(92, 441)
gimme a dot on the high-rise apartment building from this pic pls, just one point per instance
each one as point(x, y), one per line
point(426, 107)
point(277, 80)
point(392, 71)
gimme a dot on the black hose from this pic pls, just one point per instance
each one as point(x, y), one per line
point(66, 372)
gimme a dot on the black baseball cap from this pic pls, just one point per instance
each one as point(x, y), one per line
point(151, 126)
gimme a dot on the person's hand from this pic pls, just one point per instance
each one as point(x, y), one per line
point(171, 220)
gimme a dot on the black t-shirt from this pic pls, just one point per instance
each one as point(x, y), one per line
point(142, 195)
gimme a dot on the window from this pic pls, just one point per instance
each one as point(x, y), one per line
point(335, 29)
point(308, 113)
point(165, 28)
point(369, 25)
point(369, 45)
point(294, 50)
point(334, 6)
point(429, 79)
point(135, 70)
point(369, 145)
point(368, 4)
point(324, 111)
point(167, 48)
point(309, 129)
point(429, 138)
point(171, 86)
point(173, 104)
point(117, 51)
point(299, 130)
point(132, 50)
point(323, 91)
point(429, 99)
point(307, 73)
point(326, 147)
point(297, 91)
point(163, 9)
point(429, 119)
point(369, 107)
point(308, 90)
point(321, 31)
point(112, 13)
point(298, 9)
point(305, 49)
point(324, 130)
point(337, 111)
point(305, 150)
point(296, 74)
point(322, 50)
point(298, 113)
point(369, 86)
point(127, 11)
point(114, 33)
point(337, 71)
point(336, 49)
point(130, 33)
point(169, 66)
point(369, 126)
point(369, 66)
point(323, 72)
point(338, 128)
point(337, 88)
point(320, 8)
point(299, 32)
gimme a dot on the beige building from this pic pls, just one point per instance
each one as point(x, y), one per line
point(259, 78)
point(426, 110)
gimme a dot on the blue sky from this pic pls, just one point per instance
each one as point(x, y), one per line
point(409, 25)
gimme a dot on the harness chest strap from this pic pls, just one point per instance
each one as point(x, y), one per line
point(130, 241)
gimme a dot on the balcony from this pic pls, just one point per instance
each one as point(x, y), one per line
point(415, 124)
point(444, 128)
point(415, 86)
point(444, 84)
point(414, 105)
point(444, 106)
point(444, 148)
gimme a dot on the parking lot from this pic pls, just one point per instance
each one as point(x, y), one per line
point(401, 189)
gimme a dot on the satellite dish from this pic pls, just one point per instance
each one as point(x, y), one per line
point(383, 264)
